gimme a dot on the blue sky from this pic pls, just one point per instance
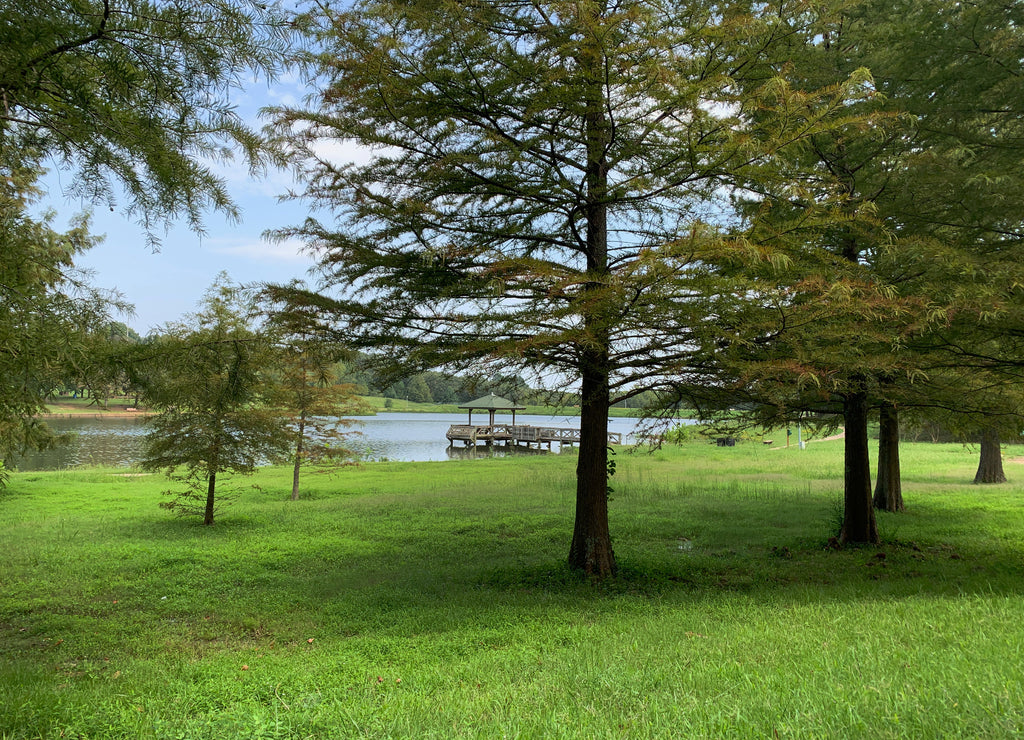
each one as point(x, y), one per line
point(166, 284)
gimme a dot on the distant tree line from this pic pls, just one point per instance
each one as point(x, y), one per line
point(438, 387)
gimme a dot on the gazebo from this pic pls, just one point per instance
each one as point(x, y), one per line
point(491, 404)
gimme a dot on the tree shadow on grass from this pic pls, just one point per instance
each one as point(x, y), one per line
point(947, 563)
point(472, 563)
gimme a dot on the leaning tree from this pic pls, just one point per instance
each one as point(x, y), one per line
point(542, 189)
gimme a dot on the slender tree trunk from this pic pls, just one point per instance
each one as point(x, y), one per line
point(888, 489)
point(990, 465)
point(211, 485)
point(298, 455)
point(858, 513)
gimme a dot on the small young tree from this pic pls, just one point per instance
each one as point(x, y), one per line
point(312, 400)
point(207, 378)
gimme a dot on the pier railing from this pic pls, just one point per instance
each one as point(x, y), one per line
point(475, 434)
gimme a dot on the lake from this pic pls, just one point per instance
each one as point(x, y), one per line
point(117, 442)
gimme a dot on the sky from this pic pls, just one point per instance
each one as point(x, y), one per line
point(165, 285)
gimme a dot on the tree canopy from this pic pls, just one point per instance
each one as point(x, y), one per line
point(50, 316)
point(896, 304)
point(209, 377)
point(132, 96)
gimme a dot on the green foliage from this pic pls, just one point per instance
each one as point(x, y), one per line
point(685, 433)
point(901, 298)
point(546, 189)
point(610, 468)
point(133, 96)
point(209, 379)
point(306, 389)
point(899, 230)
point(51, 319)
point(477, 246)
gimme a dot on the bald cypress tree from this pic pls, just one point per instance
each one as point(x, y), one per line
point(544, 190)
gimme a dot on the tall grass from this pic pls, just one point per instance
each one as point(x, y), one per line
point(431, 600)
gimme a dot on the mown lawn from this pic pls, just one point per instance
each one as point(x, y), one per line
point(431, 600)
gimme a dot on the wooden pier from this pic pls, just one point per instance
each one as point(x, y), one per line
point(517, 434)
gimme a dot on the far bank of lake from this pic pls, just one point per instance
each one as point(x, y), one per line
point(116, 440)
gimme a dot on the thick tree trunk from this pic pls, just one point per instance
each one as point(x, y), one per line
point(211, 485)
point(298, 456)
point(888, 489)
point(990, 465)
point(591, 548)
point(858, 513)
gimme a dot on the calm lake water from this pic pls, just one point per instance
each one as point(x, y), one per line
point(117, 442)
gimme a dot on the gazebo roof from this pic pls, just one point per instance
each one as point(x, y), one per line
point(491, 403)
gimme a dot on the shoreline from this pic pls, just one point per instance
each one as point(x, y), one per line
point(97, 415)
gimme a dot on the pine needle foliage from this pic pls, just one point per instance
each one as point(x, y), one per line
point(50, 315)
point(133, 96)
point(544, 192)
point(206, 377)
point(314, 403)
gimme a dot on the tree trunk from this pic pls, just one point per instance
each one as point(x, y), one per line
point(858, 514)
point(211, 485)
point(298, 456)
point(888, 489)
point(990, 466)
point(591, 548)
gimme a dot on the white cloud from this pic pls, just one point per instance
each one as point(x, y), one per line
point(290, 250)
point(339, 152)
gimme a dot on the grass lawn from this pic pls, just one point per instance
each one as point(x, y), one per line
point(430, 600)
point(66, 406)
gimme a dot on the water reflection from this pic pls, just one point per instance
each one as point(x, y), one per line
point(479, 452)
point(107, 441)
point(117, 442)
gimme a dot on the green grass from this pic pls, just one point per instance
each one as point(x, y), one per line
point(431, 600)
point(68, 406)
